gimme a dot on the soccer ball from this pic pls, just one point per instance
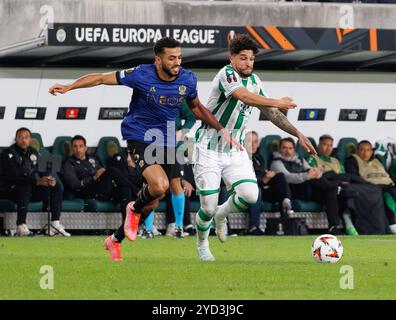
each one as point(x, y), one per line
point(327, 248)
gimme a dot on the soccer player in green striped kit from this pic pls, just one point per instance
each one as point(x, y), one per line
point(235, 91)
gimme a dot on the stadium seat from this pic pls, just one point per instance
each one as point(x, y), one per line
point(346, 147)
point(301, 151)
point(93, 205)
point(269, 206)
point(37, 143)
point(107, 147)
point(74, 205)
point(268, 145)
point(35, 207)
point(62, 147)
point(6, 205)
point(306, 206)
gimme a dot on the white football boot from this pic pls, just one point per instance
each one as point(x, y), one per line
point(203, 251)
point(221, 228)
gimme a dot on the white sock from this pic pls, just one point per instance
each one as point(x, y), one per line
point(348, 220)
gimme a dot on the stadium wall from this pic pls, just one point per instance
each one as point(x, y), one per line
point(26, 18)
point(331, 91)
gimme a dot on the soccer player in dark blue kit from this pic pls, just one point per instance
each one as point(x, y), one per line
point(158, 91)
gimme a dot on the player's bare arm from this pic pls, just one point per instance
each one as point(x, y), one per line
point(87, 81)
point(206, 116)
point(281, 121)
point(255, 100)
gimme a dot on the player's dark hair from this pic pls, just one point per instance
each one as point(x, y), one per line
point(363, 142)
point(78, 137)
point(288, 139)
point(243, 42)
point(22, 129)
point(163, 43)
point(325, 137)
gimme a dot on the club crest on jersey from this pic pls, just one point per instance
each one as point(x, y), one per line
point(182, 90)
point(92, 162)
point(33, 157)
point(245, 109)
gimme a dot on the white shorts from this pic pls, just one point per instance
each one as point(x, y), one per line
point(210, 166)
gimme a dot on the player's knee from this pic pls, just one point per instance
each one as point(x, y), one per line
point(248, 192)
point(159, 187)
point(209, 207)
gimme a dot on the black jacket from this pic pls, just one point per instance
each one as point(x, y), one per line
point(19, 166)
point(120, 161)
point(77, 175)
point(259, 167)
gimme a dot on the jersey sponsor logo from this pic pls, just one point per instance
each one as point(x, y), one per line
point(152, 89)
point(168, 101)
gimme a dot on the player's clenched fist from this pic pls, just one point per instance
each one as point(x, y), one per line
point(286, 103)
point(58, 88)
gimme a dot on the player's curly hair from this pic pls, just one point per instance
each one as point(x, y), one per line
point(243, 42)
point(163, 43)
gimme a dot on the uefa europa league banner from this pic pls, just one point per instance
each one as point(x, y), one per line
point(135, 35)
point(268, 37)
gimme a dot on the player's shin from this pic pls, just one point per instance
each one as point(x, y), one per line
point(143, 199)
point(178, 202)
point(203, 223)
point(233, 204)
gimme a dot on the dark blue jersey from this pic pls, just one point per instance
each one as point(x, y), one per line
point(154, 104)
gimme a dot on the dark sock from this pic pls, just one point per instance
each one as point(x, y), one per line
point(144, 198)
point(119, 235)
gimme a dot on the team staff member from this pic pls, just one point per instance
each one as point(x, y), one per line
point(85, 178)
point(24, 184)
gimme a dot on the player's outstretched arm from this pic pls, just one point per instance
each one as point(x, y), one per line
point(206, 116)
point(87, 81)
point(281, 121)
point(261, 102)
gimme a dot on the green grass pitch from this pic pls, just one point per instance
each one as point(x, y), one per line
point(163, 268)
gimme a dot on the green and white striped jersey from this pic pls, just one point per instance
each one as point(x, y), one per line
point(232, 114)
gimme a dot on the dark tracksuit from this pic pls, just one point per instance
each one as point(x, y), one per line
point(352, 167)
point(20, 174)
point(275, 190)
point(77, 176)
